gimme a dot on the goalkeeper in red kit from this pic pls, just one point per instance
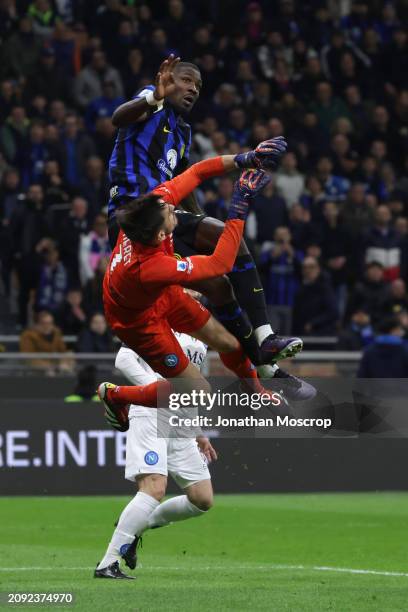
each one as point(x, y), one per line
point(143, 294)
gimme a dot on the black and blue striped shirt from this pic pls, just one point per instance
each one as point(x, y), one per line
point(147, 153)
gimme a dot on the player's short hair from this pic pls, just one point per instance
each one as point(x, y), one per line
point(182, 65)
point(141, 218)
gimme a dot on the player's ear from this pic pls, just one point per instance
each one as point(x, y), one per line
point(161, 236)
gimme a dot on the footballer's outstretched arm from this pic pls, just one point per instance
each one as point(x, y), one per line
point(149, 100)
point(264, 157)
point(198, 267)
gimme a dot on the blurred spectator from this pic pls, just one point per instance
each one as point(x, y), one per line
point(269, 211)
point(95, 186)
point(28, 226)
point(89, 82)
point(43, 17)
point(280, 264)
point(92, 291)
point(92, 248)
point(48, 79)
point(77, 148)
point(314, 309)
point(327, 107)
point(358, 334)
point(104, 106)
point(70, 232)
point(45, 337)
point(96, 338)
point(53, 279)
point(289, 181)
point(335, 245)
point(382, 244)
point(358, 210)
point(387, 356)
point(71, 316)
point(217, 203)
point(335, 187)
point(21, 51)
point(369, 294)
point(397, 300)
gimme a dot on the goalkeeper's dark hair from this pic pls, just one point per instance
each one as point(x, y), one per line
point(141, 218)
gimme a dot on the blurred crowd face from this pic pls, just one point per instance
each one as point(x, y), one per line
point(289, 162)
point(353, 95)
point(35, 194)
point(398, 289)
point(11, 180)
point(79, 208)
point(98, 61)
point(94, 169)
point(98, 324)
point(347, 64)
point(324, 167)
point(324, 93)
point(71, 126)
point(381, 117)
point(310, 270)
point(361, 318)
point(357, 194)
point(100, 227)
point(225, 188)
point(74, 297)
point(382, 216)
point(375, 274)
point(330, 211)
point(340, 144)
point(401, 226)
point(45, 323)
point(282, 235)
point(275, 127)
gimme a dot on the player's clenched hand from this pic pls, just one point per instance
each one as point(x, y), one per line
point(266, 156)
point(164, 81)
point(246, 187)
point(207, 449)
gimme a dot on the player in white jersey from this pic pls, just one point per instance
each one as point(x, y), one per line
point(149, 459)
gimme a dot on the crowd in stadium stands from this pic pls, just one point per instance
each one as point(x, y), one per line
point(330, 233)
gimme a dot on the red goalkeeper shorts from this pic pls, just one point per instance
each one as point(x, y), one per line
point(155, 341)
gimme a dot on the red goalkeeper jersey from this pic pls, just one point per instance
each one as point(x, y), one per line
point(138, 276)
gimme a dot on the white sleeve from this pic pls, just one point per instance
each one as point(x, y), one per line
point(137, 371)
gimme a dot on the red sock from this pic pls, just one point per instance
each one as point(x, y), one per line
point(145, 395)
point(239, 363)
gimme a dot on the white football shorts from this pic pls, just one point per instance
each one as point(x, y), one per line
point(148, 454)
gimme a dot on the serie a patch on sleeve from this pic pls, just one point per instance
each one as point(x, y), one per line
point(182, 266)
point(185, 265)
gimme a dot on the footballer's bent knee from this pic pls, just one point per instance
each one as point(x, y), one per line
point(153, 484)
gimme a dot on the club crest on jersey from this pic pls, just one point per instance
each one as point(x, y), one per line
point(172, 158)
point(168, 166)
point(171, 360)
point(151, 458)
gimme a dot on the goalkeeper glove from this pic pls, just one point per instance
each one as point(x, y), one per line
point(266, 156)
point(250, 183)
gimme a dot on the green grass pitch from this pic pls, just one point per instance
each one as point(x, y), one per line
point(251, 552)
